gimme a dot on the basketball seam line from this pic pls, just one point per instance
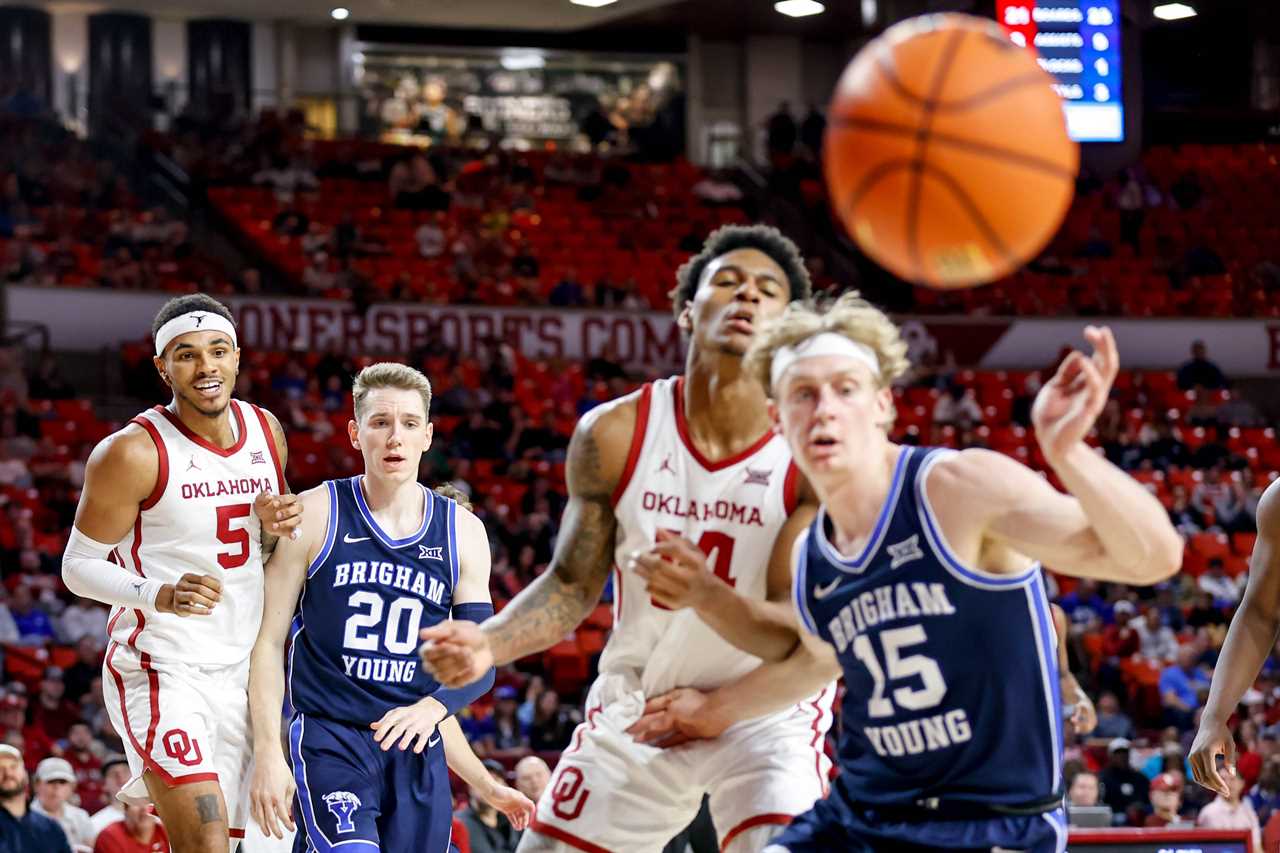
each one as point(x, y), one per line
point(979, 218)
point(1029, 161)
point(872, 178)
point(923, 136)
point(890, 75)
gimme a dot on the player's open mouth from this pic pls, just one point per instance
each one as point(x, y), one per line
point(393, 459)
point(741, 321)
point(208, 389)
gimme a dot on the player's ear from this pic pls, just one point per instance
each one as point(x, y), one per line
point(775, 416)
point(159, 363)
point(353, 433)
point(685, 318)
point(431, 431)
point(884, 406)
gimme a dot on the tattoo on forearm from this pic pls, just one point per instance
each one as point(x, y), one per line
point(208, 809)
point(564, 594)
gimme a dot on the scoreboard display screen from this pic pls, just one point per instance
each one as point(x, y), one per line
point(1078, 42)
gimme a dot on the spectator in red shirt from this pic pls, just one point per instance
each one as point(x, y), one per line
point(51, 711)
point(13, 721)
point(79, 753)
point(139, 832)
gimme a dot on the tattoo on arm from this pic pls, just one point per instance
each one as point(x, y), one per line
point(564, 594)
point(208, 809)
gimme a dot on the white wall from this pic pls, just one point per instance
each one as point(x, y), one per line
point(70, 52)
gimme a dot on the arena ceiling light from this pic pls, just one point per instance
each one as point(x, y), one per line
point(594, 4)
point(799, 8)
point(1173, 11)
point(339, 13)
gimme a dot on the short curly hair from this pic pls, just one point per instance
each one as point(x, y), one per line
point(180, 305)
point(729, 238)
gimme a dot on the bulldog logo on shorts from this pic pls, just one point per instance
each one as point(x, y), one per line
point(342, 805)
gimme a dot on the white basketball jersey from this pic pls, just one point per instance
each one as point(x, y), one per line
point(732, 509)
point(200, 519)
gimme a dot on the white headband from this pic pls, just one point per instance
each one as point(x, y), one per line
point(826, 343)
point(194, 321)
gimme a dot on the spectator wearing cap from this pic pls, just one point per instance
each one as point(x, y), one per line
point(1166, 801)
point(1231, 812)
point(115, 775)
point(503, 731)
point(489, 831)
point(1122, 786)
point(138, 832)
point(55, 783)
point(51, 711)
point(23, 829)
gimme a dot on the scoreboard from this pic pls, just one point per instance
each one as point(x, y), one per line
point(1078, 42)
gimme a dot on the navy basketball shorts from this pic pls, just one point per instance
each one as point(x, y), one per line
point(353, 796)
point(832, 825)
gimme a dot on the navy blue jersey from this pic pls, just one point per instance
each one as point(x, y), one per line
point(951, 673)
point(354, 649)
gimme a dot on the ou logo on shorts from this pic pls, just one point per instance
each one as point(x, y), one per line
point(568, 795)
point(179, 745)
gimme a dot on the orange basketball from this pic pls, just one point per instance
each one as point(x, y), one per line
point(947, 153)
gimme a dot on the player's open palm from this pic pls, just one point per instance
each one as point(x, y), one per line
point(455, 653)
point(271, 796)
point(410, 725)
point(675, 718)
point(1069, 404)
point(516, 806)
point(1212, 741)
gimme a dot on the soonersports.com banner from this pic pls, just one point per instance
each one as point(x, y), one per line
point(88, 320)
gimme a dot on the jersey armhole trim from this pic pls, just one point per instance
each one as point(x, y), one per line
point(799, 575)
point(637, 443)
point(454, 568)
point(330, 533)
point(162, 472)
point(933, 533)
point(271, 445)
point(790, 487)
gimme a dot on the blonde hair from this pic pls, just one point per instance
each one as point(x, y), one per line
point(453, 493)
point(388, 374)
point(851, 316)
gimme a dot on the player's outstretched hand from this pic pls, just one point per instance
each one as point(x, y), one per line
point(675, 571)
point(1070, 402)
point(271, 796)
point(192, 595)
point(516, 806)
point(455, 653)
point(1212, 741)
point(404, 724)
point(675, 718)
point(280, 514)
